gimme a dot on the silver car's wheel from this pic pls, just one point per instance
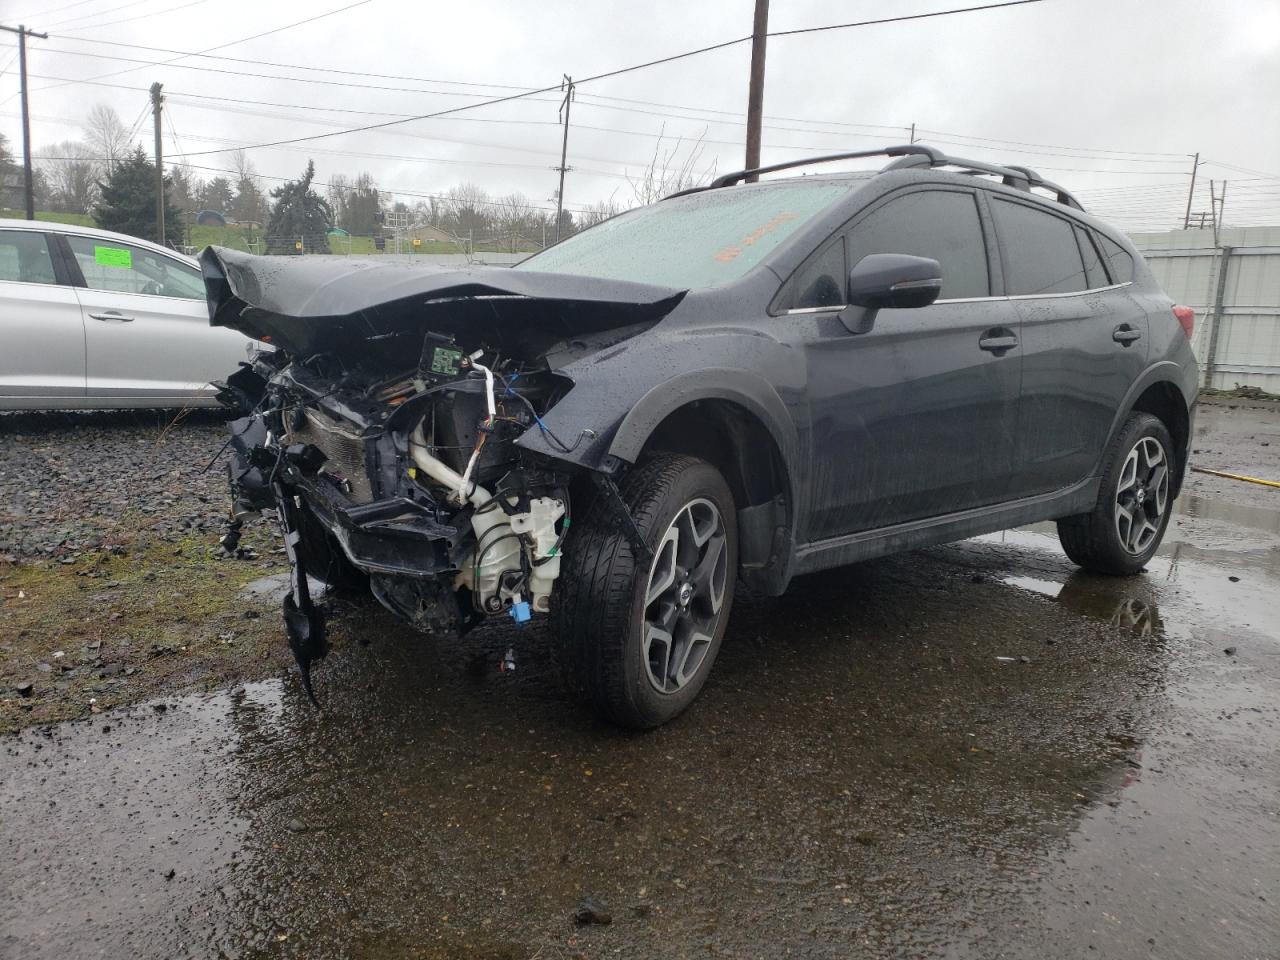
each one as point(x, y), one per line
point(1142, 495)
point(684, 596)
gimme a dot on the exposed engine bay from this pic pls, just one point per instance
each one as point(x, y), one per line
point(386, 441)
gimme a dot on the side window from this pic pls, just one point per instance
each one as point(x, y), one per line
point(1093, 272)
point(124, 268)
point(1041, 253)
point(940, 224)
point(820, 282)
point(24, 257)
point(1119, 263)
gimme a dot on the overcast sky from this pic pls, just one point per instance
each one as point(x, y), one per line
point(1109, 97)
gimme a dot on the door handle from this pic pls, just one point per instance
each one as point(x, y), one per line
point(109, 315)
point(1125, 334)
point(998, 341)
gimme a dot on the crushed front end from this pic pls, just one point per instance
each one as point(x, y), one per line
point(384, 438)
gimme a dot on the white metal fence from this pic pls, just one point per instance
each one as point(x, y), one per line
point(1234, 287)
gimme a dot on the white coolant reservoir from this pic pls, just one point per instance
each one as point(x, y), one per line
point(538, 526)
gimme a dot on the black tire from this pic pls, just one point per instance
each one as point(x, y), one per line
point(600, 621)
point(1101, 541)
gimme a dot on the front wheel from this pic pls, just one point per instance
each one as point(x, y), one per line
point(1127, 523)
point(637, 641)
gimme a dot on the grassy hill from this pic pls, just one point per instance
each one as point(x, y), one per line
point(79, 219)
point(240, 238)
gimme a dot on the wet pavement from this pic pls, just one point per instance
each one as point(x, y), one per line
point(970, 751)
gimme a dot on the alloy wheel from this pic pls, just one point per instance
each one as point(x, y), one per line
point(684, 595)
point(1142, 495)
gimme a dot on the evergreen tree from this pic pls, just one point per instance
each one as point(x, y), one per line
point(11, 183)
point(127, 202)
point(299, 213)
point(216, 195)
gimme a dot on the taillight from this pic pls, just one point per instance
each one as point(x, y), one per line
point(1187, 317)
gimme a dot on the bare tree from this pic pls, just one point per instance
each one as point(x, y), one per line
point(72, 173)
point(671, 169)
point(468, 210)
point(598, 212)
point(106, 135)
point(514, 218)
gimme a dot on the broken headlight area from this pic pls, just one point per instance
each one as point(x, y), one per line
point(412, 482)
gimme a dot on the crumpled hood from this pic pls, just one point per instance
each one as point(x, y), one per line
point(307, 305)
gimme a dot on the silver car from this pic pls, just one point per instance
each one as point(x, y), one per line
point(90, 318)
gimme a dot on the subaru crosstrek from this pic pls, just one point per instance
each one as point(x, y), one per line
point(738, 384)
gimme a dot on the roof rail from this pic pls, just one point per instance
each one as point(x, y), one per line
point(934, 155)
point(907, 156)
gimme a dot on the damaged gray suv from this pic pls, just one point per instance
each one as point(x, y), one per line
point(736, 385)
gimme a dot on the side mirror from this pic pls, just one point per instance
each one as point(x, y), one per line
point(893, 280)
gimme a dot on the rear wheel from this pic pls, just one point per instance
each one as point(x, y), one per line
point(638, 640)
point(1127, 523)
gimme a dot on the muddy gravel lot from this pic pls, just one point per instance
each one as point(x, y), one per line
point(969, 751)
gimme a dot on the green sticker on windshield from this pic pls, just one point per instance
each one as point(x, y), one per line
point(113, 256)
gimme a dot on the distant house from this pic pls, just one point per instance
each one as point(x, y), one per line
point(210, 218)
point(428, 234)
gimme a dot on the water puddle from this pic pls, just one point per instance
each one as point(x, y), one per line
point(276, 586)
point(1266, 519)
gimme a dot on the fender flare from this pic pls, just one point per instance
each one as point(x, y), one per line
point(748, 390)
point(1164, 371)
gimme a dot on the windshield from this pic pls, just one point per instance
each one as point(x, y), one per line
point(696, 241)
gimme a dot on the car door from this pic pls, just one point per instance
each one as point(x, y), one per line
point(42, 351)
point(147, 333)
point(916, 418)
point(1084, 341)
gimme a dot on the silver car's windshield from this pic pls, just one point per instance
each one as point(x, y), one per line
point(696, 241)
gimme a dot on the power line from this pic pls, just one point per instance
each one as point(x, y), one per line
point(240, 73)
point(68, 6)
point(300, 66)
point(1051, 146)
point(232, 43)
point(97, 13)
point(621, 70)
point(141, 16)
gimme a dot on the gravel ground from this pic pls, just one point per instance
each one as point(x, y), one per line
point(112, 583)
point(78, 483)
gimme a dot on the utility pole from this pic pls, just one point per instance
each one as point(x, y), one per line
point(567, 86)
point(913, 134)
point(1221, 208)
point(156, 101)
point(1186, 220)
point(23, 33)
point(755, 91)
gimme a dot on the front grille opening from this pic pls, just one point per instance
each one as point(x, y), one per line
point(343, 447)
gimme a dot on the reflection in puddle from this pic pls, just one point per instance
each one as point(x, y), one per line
point(1098, 598)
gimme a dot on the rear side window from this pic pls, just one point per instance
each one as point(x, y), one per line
point(1040, 251)
point(1119, 263)
point(124, 268)
point(1094, 274)
point(942, 225)
point(24, 257)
